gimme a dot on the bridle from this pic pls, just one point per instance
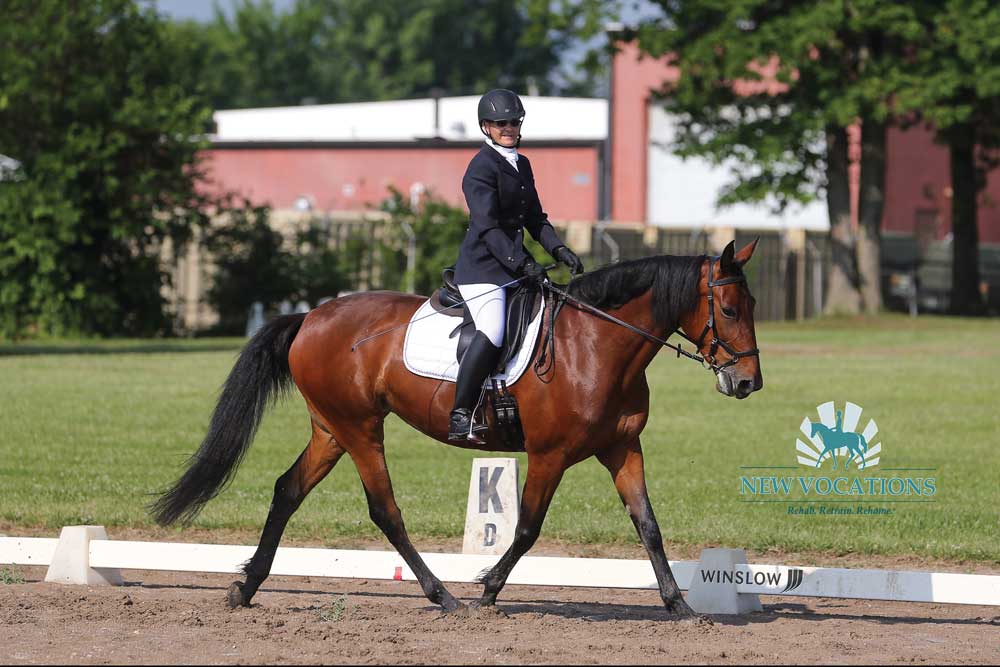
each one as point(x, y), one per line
point(710, 326)
point(717, 342)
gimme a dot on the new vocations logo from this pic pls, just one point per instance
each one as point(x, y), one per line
point(839, 459)
point(832, 437)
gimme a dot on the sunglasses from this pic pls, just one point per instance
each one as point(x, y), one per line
point(504, 123)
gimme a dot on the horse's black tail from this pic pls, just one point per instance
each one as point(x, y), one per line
point(261, 375)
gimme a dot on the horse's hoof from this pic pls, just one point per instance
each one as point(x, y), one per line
point(485, 609)
point(452, 606)
point(700, 620)
point(682, 611)
point(234, 596)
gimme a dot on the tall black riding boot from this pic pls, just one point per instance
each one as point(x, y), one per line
point(478, 362)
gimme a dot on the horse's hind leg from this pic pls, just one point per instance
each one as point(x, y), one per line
point(624, 462)
point(366, 450)
point(313, 464)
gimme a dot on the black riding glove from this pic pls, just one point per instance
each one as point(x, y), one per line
point(532, 271)
point(569, 258)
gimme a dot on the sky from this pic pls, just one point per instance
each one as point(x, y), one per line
point(203, 10)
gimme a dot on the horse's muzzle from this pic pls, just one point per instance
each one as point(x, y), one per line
point(740, 387)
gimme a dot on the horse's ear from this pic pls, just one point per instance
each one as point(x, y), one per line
point(726, 260)
point(746, 252)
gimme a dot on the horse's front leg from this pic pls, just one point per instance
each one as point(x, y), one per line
point(540, 484)
point(819, 461)
point(624, 462)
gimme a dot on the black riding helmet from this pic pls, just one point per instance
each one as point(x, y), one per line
point(500, 104)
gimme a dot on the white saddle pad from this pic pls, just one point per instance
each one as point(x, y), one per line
point(428, 351)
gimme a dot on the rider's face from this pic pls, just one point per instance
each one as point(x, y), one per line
point(505, 136)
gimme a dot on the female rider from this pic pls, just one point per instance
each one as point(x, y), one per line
point(500, 191)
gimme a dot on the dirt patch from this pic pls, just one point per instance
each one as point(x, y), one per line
point(175, 618)
point(181, 618)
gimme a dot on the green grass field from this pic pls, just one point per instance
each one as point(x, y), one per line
point(91, 429)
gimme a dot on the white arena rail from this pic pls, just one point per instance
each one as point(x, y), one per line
point(720, 572)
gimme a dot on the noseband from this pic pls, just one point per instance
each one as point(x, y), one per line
point(717, 342)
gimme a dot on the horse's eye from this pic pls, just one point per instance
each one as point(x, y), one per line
point(728, 312)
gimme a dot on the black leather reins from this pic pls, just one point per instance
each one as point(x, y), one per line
point(548, 343)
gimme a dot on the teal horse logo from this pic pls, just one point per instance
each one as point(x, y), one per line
point(838, 433)
point(835, 438)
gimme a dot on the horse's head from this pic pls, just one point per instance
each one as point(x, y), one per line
point(722, 323)
point(814, 428)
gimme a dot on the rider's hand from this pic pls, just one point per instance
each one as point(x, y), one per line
point(569, 258)
point(532, 270)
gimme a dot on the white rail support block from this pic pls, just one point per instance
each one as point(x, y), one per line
point(71, 560)
point(713, 589)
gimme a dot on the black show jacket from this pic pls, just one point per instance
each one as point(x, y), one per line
point(502, 203)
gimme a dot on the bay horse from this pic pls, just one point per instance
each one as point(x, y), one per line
point(594, 401)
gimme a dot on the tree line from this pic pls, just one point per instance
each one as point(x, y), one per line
point(322, 52)
point(837, 64)
point(104, 107)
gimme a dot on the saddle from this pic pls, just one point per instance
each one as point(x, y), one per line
point(523, 304)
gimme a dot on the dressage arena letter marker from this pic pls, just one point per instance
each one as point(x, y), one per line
point(492, 511)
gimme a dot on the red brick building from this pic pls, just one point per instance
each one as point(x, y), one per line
point(918, 184)
point(345, 157)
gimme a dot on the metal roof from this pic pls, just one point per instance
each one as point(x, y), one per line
point(547, 118)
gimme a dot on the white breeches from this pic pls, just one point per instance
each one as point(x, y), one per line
point(488, 312)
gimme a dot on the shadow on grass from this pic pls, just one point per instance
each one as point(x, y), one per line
point(146, 348)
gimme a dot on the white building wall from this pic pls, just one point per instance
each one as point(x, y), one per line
point(682, 193)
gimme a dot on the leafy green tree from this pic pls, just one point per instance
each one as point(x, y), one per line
point(953, 82)
point(250, 264)
point(258, 57)
point(253, 261)
point(837, 62)
point(355, 50)
point(106, 138)
point(438, 229)
point(319, 270)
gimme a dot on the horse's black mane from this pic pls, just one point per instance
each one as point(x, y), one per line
point(674, 281)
